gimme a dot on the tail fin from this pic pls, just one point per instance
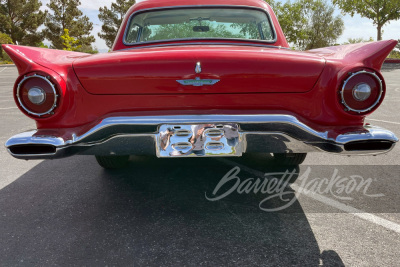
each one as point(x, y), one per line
point(26, 58)
point(371, 54)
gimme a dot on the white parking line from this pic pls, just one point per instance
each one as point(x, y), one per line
point(346, 208)
point(8, 108)
point(3, 69)
point(325, 200)
point(398, 123)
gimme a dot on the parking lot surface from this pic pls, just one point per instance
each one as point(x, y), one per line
point(164, 211)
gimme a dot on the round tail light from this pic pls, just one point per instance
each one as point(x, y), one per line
point(361, 92)
point(37, 95)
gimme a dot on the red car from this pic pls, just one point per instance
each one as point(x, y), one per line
point(200, 78)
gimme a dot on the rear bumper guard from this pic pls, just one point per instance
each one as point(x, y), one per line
point(255, 133)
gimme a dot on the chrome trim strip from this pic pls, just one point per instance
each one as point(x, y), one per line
point(202, 43)
point(370, 133)
point(281, 133)
point(197, 119)
point(199, 6)
point(376, 102)
point(30, 138)
point(52, 87)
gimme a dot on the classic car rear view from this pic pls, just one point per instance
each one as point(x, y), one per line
point(200, 79)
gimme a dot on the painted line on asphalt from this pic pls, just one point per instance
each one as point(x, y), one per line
point(398, 123)
point(3, 70)
point(8, 108)
point(350, 210)
point(328, 201)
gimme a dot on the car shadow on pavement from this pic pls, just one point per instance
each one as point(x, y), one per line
point(154, 212)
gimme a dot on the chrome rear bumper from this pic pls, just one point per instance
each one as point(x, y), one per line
point(258, 133)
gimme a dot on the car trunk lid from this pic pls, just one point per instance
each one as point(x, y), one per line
point(199, 69)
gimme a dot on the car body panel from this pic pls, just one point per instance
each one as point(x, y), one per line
point(152, 71)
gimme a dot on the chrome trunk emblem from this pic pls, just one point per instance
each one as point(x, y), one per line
point(198, 67)
point(198, 82)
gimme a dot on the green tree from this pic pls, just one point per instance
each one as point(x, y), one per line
point(112, 19)
point(88, 49)
point(309, 24)
point(42, 45)
point(185, 30)
point(379, 11)
point(358, 40)
point(292, 18)
point(70, 43)
point(4, 39)
point(324, 28)
point(20, 19)
point(64, 14)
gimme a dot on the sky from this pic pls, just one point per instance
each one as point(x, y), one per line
point(355, 27)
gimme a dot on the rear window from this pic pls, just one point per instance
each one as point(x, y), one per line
point(207, 23)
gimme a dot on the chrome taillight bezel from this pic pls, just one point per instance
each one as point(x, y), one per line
point(46, 79)
point(378, 100)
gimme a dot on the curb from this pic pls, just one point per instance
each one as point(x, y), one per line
point(392, 60)
point(8, 65)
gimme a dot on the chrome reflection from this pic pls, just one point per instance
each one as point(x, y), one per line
point(214, 145)
point(257, 134)
point(203, 140)
point(198, 68)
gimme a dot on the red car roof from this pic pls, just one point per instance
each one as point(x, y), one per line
point(164, 3)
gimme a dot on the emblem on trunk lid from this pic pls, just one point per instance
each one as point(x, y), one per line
point(198, 67)
point(198, 82)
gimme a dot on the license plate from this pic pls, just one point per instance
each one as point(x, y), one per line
point(199, 140)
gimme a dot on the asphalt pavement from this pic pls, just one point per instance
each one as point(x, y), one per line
point(170, 212)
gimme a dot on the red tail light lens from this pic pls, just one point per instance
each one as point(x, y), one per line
point(37, 95)
point(361, 92)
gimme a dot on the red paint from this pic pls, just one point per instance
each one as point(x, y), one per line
point(239, 69)
point(253, 79)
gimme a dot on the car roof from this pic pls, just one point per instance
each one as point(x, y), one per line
point(147, 4)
